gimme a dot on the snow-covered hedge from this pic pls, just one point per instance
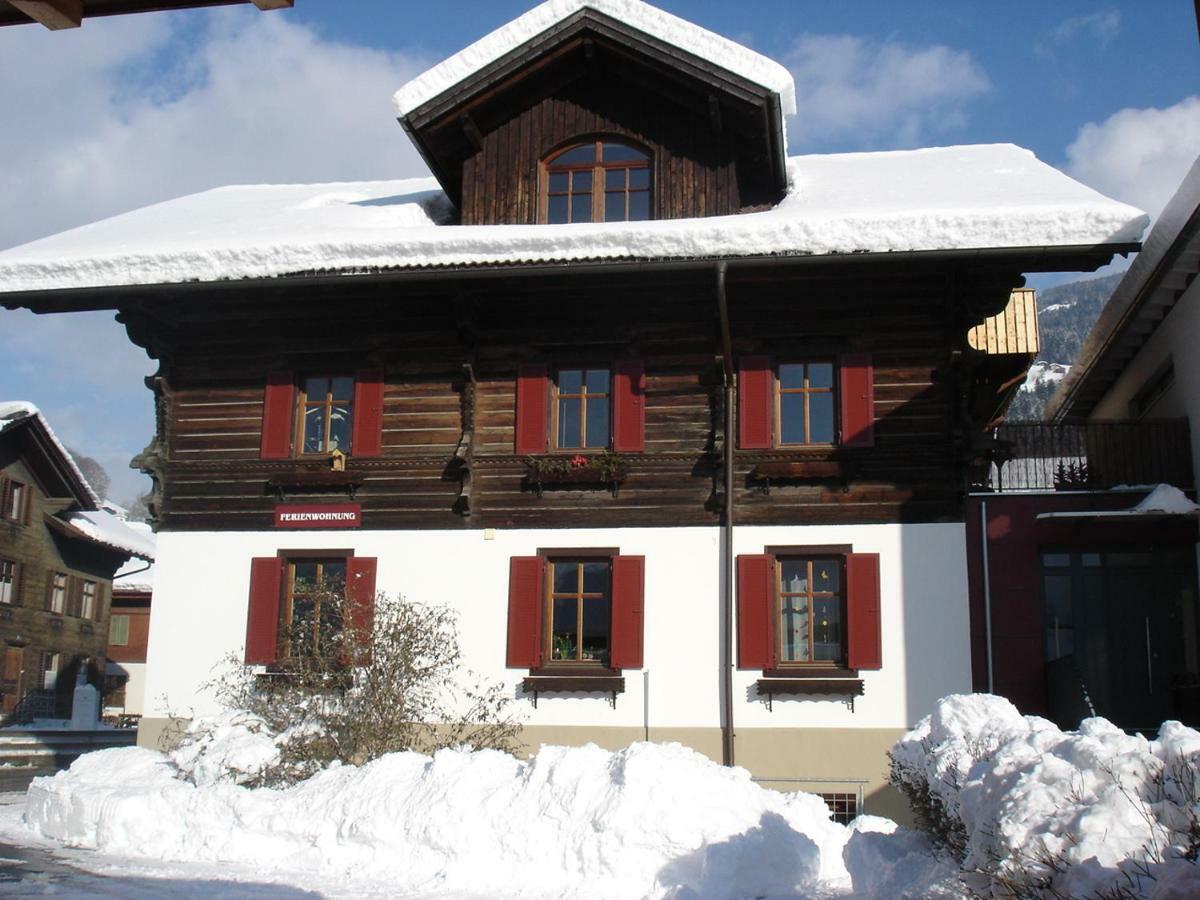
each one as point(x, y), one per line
point(1032, 810)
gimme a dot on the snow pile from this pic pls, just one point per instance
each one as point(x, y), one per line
point(1042, 372)
point(648, 821)
point(946, 198)
point(1078, 811)
point(889, 861)
point(1166, 500)
point(235, 747)
point(643, 17)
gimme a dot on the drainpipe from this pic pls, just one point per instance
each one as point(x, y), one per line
point(727, 749)
point(987, 593)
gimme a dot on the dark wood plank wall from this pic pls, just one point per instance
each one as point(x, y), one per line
point(694, 169)
point(214, 478)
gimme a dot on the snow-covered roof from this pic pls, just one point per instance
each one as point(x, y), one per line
point(135, 575)
point(14, 411)
point(105, 528)
point(1164, 500)
point(650, 20)
point(949, 198)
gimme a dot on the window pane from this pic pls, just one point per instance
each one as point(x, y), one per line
point(639, 206)
point(304, 577)
point(566, 578)
point(597, 381)
point(118, 631)
point(1130, 559)
point(568, 423)
point(820, 418)
point(619, 152)
point(793, 576)
point(791, 375)
point(333, 576)
point(316, 388)
point(581, 182)
point(827, 630)
point(614, 207)
point(595, 578)
point(597, 422)
point(581, 208)
point(564, 635)
point(791, 418)
point(343, 388)
point(1056, 559)
point(584, 153)
point(339, 428)
point(556, 210)
point(570, 381)
point(558, 182)
point(1060, 629)
point(597, 617)
point(820, 375)
point(314, 429)
point(639, 178)
point(614, 179)
point(794, 630)
point(826, 576)
point(1090, 559)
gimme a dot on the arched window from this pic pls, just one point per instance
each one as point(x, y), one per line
point(597, 181)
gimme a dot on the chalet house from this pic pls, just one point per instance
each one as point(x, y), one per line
point(58, 553)
point(1084, 585)
point(680, 426)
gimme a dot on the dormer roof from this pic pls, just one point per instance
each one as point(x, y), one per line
point(742, 93)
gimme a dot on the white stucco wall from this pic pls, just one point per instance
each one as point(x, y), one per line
point(202, 587)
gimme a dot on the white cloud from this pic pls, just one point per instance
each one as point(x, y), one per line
point(138, 109)
point(857, 93)
point(1101, 27)
point(1139, 156)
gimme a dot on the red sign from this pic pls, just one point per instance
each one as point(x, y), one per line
point(318, 515)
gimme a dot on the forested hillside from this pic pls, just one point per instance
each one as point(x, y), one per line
point(1066, 314)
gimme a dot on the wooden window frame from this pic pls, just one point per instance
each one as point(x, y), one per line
point(52, 593)
point(112, 627)
point(286, 589)
point(599, 170)
point(84, 611)
point(580, 667)
point(14, 582)
point(778, 390)
point(51, 661)
point(556, 395)
point(811, 668)
point(11, 488)
point(302, 405)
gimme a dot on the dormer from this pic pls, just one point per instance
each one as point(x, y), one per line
point(601, 110)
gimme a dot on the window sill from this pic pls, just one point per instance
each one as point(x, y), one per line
point(574, 684)
point(809, 686)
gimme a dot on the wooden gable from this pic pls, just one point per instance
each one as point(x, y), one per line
point(715, 137)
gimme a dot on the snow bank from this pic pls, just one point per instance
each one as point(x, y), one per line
point(946, 198)
point(1166, 499)
point(648, 821)
point(1109, 807)
point(643, 17)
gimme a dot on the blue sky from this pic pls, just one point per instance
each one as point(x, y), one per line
point(131, 110)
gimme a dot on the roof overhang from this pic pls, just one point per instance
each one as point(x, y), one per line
point(41, 452)
point(59, 14)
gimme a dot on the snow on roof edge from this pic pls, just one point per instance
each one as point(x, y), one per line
point(651, 20)
point(105, 528)
point(11, 410)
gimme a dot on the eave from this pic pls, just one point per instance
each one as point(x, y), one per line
point(56, 476)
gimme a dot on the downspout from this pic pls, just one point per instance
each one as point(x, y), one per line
point(727, 750)
point(987, 593)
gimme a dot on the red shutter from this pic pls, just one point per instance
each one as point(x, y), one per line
point(367, 438)
point(533, 401)
point(755, 420)
point(262, 621)
point(756, 643)
point(628, 611)
point(524, 613)
point(278, 416)
point(858, 399)
point(862, 611)
point(360, 597)
point(629, 406)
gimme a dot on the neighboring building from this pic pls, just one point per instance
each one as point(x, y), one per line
point(679, 426)
point(58, 553)
point(128, 635)
point(1089, 604)
point(59, 14)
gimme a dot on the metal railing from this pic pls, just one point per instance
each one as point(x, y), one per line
point(1043, 456)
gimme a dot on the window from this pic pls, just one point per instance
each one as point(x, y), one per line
point(326, 412)
point(597, 181)
point(118, 631)
point(51, 662)
point(87, 599)
point(581, 409)
point(15, 501)
point(8, 581)
point(843, 807)
point(797, 403)
point(312, 606)
point(578, 611)
point(57, 600)
point(809, 609)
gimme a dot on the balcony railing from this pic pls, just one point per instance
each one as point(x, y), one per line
point(1037, 456)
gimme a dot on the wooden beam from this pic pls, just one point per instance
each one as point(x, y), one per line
point(471, 130)
point(264, 5)
point(54, 14)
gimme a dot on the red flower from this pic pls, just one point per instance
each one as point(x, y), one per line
point(578, 461)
